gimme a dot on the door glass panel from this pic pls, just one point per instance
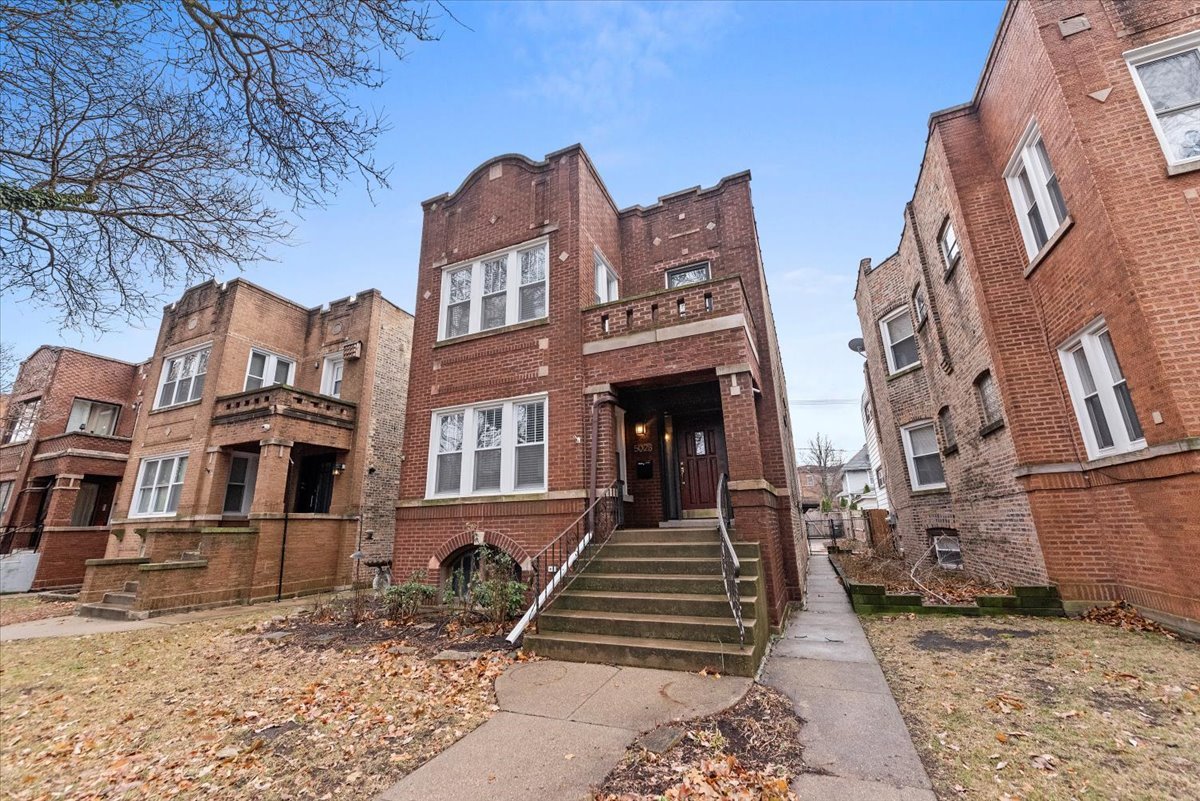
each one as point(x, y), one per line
point(699, 443)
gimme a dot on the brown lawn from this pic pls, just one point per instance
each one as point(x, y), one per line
point(212, 710)
point(23, 608)
point(1032, 708)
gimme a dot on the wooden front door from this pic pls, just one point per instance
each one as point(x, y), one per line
point(699, 466)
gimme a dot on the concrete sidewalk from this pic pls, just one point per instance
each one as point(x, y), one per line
point(75, 626)
point(561, 728)
point(853, 731)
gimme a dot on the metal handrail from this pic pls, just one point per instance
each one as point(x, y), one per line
point(10, 532)
point(592, 527)
point(731, 566)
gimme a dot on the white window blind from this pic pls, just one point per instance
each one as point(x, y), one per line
point(490, 448)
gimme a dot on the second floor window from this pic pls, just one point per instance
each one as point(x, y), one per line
point(1167, 76)
point(921, 453)
point(951, 250)
point(1100, 393)
point(920, 306)
point(946, 423)
point(331, 376)
point(1036, 196)
point(989, 398)
point(93, 417)
point(607, 287)
point(899, 340)
point(24, 421)
point(267, 369)
point(692, 274)
point(183, 378)
point(5, 495)
point(495, 291)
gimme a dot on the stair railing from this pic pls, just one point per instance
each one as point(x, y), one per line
point(731, 566)
point(568, 552)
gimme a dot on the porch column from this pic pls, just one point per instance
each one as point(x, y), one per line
point(271, 490)
point(743, 447)
point(606, 435)
point(211, 496)
point(61, 505)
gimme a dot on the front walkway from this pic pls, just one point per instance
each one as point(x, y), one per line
point(561, 728)
point(853, 733)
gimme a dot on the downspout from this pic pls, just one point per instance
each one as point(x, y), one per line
point(287, 483)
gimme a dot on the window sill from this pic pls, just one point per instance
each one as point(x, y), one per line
point(940, 490)
point(904, 371)
point(949, 450)
point(1115, 457)
point(1051, 243)
point(195, 402)
point(1184, 168)
point(991, 428)
point(441, 343)
point(151, 517)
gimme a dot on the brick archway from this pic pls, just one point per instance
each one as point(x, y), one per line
point(466, 538)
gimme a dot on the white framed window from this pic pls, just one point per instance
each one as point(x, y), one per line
point(495, 291)
point(691, 274)
point(331, 375)
point(989, 398)
point(239, 486)
point(1167, 77)
point(489, 448)
point(921, 453)
point(24, 421)
point(920, 306)
point(899, 340)
point(159, 482)
point(93, 417)
point(951, 250)
point(1035, 192)
point(607, 285)
point(182, 378)
point(6, 488)
point(267, 369)
point(1100, 394)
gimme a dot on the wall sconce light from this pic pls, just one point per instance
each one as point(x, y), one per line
point(639, 429)
point(339, 468)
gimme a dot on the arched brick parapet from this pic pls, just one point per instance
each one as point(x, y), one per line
point(494, 538)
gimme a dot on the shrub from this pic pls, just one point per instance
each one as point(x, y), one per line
point(490, 593)
point(401, 601)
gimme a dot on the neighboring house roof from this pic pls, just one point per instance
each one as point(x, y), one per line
point(859, 461)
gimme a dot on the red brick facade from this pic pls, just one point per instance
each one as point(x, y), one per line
point(63, 481)
point(321, 460)
point(654, 355)
point(1030, 497)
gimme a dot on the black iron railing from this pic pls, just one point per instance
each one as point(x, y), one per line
point(571, 551)
point(8, 537)
point(731, 566)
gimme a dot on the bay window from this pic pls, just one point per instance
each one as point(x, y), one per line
point(495, 291)
point(487, 449)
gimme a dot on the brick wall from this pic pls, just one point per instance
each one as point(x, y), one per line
point(1108, 527)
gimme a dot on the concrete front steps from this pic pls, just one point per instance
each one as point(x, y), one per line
point(115, 606)
point(656, 598)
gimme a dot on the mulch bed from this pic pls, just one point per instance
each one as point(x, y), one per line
point(331, 625)
point(761, 733)
point(955, 587)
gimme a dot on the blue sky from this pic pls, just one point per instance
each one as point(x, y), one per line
point(826, 103)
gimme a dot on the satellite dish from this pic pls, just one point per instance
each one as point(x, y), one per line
point(857, 345)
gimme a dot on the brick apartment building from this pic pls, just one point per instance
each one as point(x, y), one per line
point(263, 455)
point(811, 480)
point(1034, 344)
point(66, 437)
point(544, 313)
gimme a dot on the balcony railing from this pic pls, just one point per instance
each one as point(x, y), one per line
point(720, 299)
point(81, 443)
point(286, 401)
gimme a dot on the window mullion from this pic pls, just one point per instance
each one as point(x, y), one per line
point(476, 308)
point(1039, 179)
point(508, 447)
point(512, 288)
point(466, 485)
point(1105, 392)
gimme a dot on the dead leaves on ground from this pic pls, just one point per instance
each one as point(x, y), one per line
point(720, 777)
point(17, 612)
point(208, 713)
point(1122, 615)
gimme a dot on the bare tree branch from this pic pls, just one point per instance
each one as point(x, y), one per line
point(824, 456)
point(138, 140)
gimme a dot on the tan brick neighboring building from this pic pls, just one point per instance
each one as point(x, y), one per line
point(265, 453)
point(1034, 344)
point(65, 444)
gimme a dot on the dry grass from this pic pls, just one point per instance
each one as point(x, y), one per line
point(1032, 708)
point(211, 710)
point(23, 608)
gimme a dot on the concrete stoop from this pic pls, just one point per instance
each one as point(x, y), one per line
point(115, 605)
point(655, 598)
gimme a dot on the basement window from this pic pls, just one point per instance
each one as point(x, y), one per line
point(947, 547)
